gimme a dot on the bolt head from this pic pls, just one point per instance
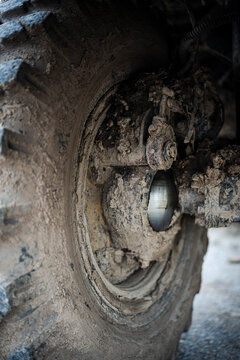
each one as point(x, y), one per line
point(170, 150)
point(152, 129)
point(144, 264)
point(118, 256)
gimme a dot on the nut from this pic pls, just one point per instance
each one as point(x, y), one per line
point(170, 149)
point(144, 264)
point(161, 148)
point(118, 256)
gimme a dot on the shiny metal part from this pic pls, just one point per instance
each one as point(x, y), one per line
point(162, 201)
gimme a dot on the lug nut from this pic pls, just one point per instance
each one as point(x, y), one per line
point(152, 129)
point(144, 264)
point(170, 150)
point(118, 256)
point(161, 148)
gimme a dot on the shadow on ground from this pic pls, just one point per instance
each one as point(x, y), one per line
point(215, 329)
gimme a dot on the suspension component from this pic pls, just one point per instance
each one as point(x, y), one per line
point(162, 201)
point(212, 193)
point(161, 149)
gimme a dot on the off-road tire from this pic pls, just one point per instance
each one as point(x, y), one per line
point(57, 60)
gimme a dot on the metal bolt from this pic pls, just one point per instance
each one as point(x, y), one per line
point(144, 264)
point(170, 149)
point(118, 256)
point(151, 129)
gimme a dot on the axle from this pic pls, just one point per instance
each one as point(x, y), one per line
point(212, 193)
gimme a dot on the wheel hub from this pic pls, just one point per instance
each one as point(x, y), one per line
point(136, 222)
point(130, 197)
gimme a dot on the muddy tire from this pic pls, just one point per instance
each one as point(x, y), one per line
point(57, 61)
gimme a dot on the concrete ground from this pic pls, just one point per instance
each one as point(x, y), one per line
point(215, 329)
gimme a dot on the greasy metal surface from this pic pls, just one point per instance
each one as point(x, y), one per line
point(162, 201)
point(161, 148)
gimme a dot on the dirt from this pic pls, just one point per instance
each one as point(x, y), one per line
point(215, 329)
point(208, 185)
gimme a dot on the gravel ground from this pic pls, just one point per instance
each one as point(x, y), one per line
point(215, 329)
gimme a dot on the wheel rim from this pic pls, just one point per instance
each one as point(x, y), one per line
point(139, 291)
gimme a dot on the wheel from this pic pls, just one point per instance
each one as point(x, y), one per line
point(59, 298)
